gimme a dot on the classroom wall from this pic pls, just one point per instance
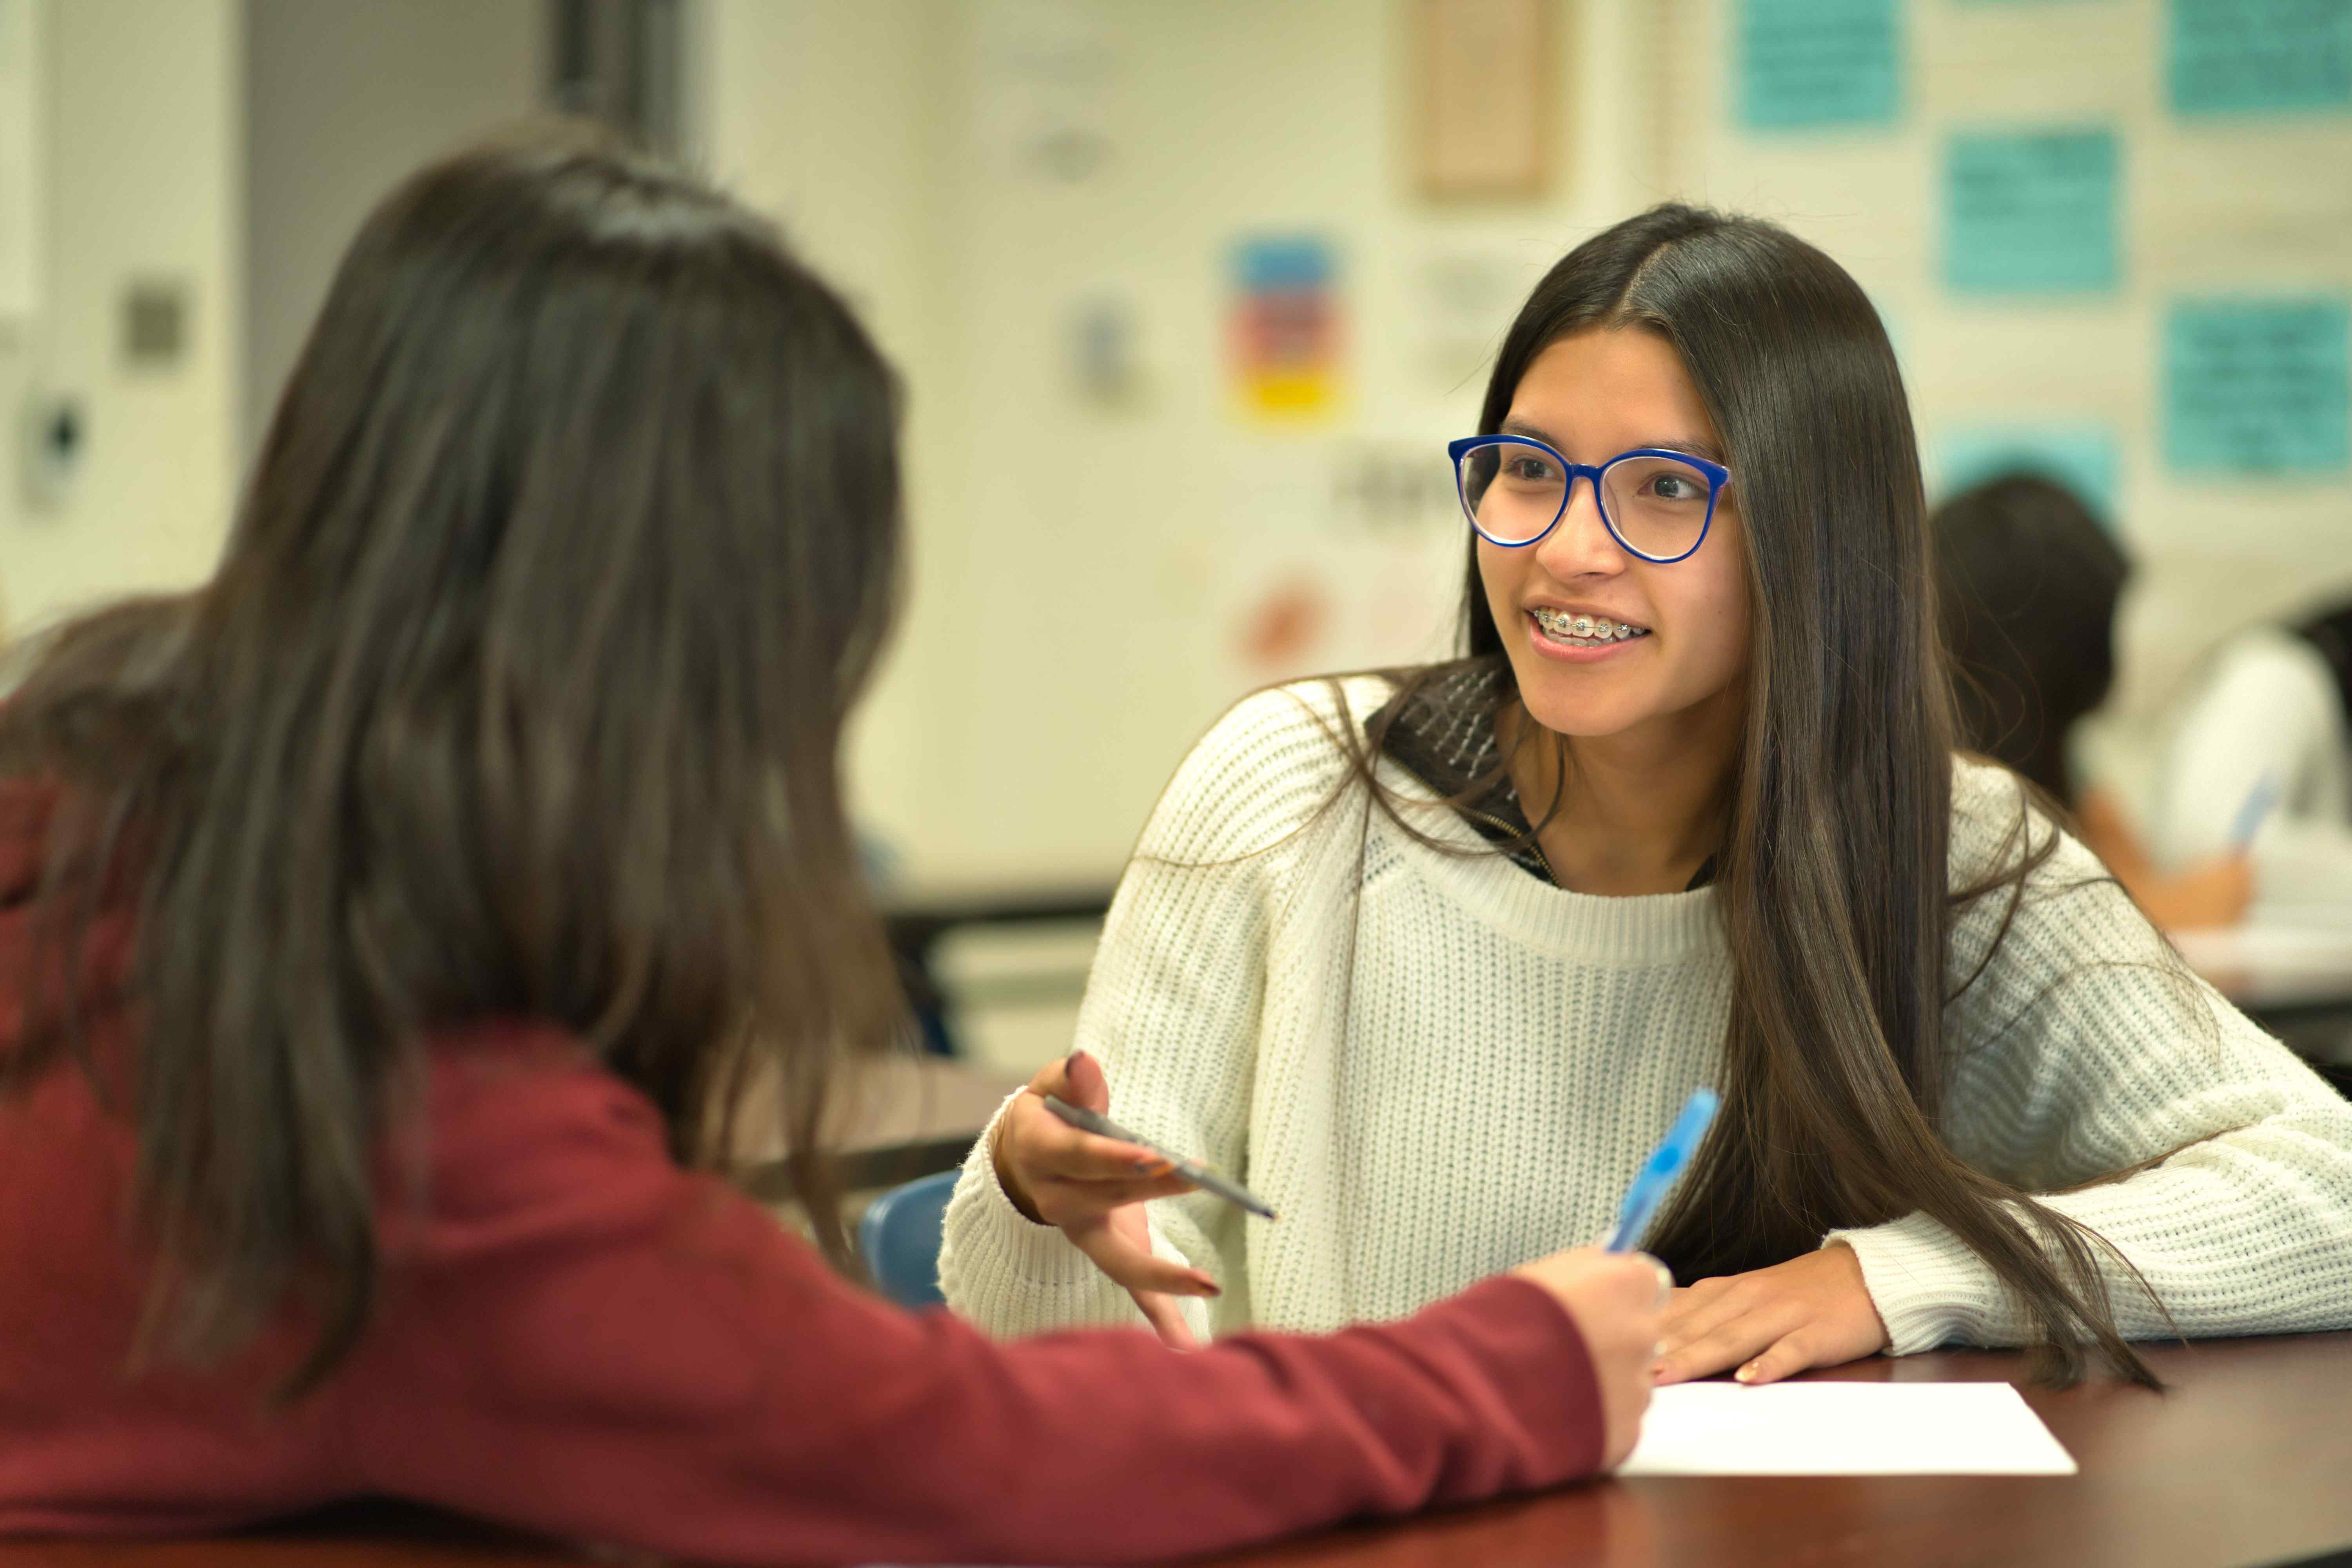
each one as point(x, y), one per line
point(139, 123)
point(1089, 569)
point(827, 115)
point(1086, 568)
point(345, 98)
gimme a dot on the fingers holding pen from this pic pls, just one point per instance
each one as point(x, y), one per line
point(1058, 1174)
point(1059, 1165)
point(1093, 1186)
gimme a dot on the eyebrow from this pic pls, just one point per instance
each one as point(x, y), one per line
point(1696, 448)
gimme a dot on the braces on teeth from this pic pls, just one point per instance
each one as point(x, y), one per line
point(1585, 629)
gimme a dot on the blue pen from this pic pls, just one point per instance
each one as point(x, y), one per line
point(2259, 802)
point(1657, 1178)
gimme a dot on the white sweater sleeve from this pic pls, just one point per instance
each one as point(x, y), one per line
point(1171, 1011)
point(2085, 1049)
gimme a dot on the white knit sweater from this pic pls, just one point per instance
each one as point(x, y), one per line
point(1463, 1069)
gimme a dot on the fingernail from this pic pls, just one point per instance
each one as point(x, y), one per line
point(1746, 1374)
point(1154, 1167)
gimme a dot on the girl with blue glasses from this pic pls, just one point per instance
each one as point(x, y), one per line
point(1429, 957)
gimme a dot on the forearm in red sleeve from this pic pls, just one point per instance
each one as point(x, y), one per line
point(665, 1367)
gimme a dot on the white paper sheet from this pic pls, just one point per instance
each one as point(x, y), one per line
point(1844, 1429)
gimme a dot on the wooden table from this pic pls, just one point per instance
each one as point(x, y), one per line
point(2248, 1459)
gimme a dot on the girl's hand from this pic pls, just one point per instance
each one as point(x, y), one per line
point(1812, 1311)
point(1615, 1299)
point(1093, 1189)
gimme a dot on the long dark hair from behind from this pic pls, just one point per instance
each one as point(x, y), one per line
point(1832, 884)
point(516, 694)
point(2027, 583)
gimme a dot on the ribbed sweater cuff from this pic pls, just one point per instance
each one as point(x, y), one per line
point(993, 1238)
point(1928, 1287)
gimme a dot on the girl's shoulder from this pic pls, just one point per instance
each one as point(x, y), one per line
point(1266, 767)
point(1999, 822)
point(2032, 900)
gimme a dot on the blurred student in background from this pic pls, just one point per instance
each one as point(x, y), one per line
point(388, 927)
point(2250, 809)
point(1434, 955)
point(2261, 750)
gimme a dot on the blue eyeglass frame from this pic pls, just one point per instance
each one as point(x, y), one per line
point(1717, 476)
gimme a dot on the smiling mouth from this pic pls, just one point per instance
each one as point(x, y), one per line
point(1584, 631)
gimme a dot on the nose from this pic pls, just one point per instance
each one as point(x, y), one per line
point(1579, 544)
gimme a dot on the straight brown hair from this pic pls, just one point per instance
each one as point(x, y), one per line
point(516, 694)
point(1833, 882)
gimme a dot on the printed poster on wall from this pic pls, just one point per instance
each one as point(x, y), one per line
point(1817, 64)
point(2256, 57)
point(1283, 329)
point(2031, 212)
point(2258, 386)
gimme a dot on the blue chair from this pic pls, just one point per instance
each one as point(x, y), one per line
point(899, 1236)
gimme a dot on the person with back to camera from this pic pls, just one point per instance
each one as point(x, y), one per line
point(1430, 958)
point(2251, 809)
point(390, 927)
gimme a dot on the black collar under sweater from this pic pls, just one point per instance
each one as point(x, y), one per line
point(1444, 736)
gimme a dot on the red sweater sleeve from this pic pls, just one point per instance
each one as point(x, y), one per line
point(583, 1338)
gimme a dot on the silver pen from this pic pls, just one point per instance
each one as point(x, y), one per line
point(1192, 1171)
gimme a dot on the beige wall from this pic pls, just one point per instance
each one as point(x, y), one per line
point(1078, 568)
point(140, 125)
point(1081, 569)
point(827, 115)
point(345, 98)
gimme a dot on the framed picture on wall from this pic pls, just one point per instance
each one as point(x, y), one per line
point(1485, 90)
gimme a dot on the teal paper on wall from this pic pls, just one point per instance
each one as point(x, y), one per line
point(2234, 57)
point(1804, 64)
point(2258, 386)
point(2080, 457)
point(2031, 212)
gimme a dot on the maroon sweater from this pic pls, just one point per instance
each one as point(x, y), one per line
point(579, 1337)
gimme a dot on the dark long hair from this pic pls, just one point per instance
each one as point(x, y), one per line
point(516, 694)
point(2027, 583)
point(1833, 883)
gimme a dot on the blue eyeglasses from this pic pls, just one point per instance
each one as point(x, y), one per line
point(1656, 504)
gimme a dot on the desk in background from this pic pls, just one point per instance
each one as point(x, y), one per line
point(897, 1118)
point(2294, 981)
point(2247, 1460)
point(921, 922)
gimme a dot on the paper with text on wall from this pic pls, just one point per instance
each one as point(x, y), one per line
point(1844, 1429)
